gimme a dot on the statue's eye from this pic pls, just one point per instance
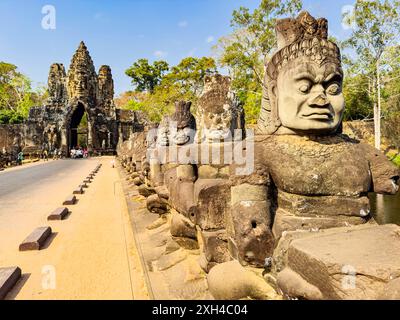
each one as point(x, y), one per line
point(304, 88)
point(334, 89)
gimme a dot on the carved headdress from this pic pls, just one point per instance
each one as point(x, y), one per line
point(303, 36)
point(182, 115)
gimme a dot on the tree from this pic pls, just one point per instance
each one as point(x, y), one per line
point(183, 82)
point(145, 77)
point(190, 72)
point(375, 25)
point(245, 51)
point(16, 94)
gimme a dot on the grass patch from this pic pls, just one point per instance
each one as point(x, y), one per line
point(396, 161)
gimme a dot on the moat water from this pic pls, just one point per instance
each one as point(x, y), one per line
point(386, 209)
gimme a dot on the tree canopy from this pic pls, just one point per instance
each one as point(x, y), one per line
point(156, 94)
point(16, 94)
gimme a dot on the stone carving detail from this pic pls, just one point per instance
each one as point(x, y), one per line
point(51, 137)
point(302, 42)
point(219, 112)
point(82, 77)
point(56, 84)
point(106, 91)
point(185, 123)
point(71, 95)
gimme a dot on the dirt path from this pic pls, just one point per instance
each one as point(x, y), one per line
point(92, 255)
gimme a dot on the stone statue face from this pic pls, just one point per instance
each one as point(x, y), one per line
point(218, 123)
point(163, 132)
point(309, 96)
point(182, 136)
point(80, 83)
point(163, 136)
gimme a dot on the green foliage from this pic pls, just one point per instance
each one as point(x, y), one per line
point(10, 117)
point(16, 94)
point(183, 82)
point(189, 74)
point(374, 37)
point(359, 105)
point(145, 77)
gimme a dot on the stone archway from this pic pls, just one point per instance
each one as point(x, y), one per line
point(73, 119)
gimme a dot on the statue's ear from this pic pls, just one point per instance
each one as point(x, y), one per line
point(273, 98)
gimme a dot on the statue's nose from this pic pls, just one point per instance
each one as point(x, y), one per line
point(320, 100)
point(217, 120)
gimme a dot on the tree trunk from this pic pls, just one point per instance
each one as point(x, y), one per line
point(377, 108)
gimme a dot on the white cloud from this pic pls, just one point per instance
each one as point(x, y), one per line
point(210, 39)
point(160, 53)
point(183, 24)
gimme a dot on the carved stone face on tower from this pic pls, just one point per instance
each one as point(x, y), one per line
point(56, 83)
point(106, 83)
point(82, 78)
point(218, 110)
point(303, 82)
point(185, 123)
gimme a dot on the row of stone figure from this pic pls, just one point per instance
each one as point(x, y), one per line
point(300, 174)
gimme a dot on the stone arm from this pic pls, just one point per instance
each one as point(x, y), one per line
point(249, 225)
point(385, 175)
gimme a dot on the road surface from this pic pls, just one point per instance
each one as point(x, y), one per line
point(91, 254)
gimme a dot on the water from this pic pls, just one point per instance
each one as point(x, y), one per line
point(385, 209)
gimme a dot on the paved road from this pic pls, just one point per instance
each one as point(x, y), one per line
point(15, 184)
point(91, 254)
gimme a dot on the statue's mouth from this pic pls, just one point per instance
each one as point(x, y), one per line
point(181, 140)
point(323, 115)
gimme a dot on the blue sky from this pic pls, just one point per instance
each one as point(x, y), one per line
point(119, 32)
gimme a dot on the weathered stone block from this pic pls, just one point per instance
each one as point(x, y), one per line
point(70, 200)
point(8, 278)
point(157, 205)
point(146, 191)
point(230, 281)
point(215, 246)
point(248, 192)
point(207, 172)
point(182, 227)
point(286, 222)
point(162, 192)
point(58, 214)
point(212, 200)
point(185, 173)
point(36, 239)
point(186, 243)
point(252, 232)
point(137, 181)
point(352, 263)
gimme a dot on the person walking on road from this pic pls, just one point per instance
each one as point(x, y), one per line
point(20, 158)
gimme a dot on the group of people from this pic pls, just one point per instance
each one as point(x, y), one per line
point(79, 153)
point(55, 154)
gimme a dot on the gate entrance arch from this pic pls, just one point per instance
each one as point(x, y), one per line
point(73, 120)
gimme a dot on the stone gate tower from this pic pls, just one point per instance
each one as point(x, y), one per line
point(73, 94)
